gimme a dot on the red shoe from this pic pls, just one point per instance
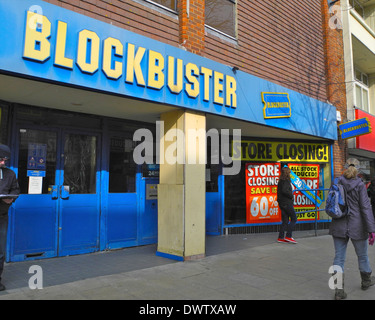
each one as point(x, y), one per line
point(291, 240)
point(281, 240)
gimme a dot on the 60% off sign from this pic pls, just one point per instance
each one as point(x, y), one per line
point(264, 207)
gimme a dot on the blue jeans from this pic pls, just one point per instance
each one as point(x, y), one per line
point(360, 247)
point(287, 212)
point(3, 240)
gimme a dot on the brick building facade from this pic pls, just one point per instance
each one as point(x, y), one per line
point(276, 41)
point(335, 74)
point(95, 72)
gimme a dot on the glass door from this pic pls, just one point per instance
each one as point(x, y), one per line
point(132, 198)
point(58, 211)
point(78, 194)
point(34, 225)
point(122, 216)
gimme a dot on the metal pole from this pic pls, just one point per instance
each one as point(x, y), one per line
point(316, 214)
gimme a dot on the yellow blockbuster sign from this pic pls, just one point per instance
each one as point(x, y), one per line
point(45, 39)
point(280, 151)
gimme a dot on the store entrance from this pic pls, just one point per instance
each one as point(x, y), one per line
point(58, 211)
point(131, 207)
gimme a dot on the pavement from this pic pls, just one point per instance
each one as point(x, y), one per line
point(236, 267)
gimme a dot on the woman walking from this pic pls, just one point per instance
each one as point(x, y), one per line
point(358, 226)
point(285, 200)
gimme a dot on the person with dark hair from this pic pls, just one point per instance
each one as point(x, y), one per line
point(8, 187)
point(285, 200)
point(358, 226)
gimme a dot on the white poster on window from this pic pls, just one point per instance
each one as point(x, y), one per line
point(35, 185)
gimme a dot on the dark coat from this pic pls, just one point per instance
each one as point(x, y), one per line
point(360, 221)
point(371, 192)
point(8, 185)
point(284, 192)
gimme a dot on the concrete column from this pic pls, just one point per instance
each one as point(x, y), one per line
point(182, 188)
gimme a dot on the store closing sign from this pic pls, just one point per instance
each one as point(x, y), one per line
point(261, 192)
point(305, 177)
point(280, 151)
point(304, 188)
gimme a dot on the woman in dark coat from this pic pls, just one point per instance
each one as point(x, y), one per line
point(285, 200)
point(358, 226)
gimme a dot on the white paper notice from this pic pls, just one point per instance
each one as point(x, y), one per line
point(35, 185)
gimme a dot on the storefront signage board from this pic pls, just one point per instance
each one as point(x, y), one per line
point(355, 128)
point(276, 105)
point(253, 150)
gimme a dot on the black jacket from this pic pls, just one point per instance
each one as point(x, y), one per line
point(8, 185)
point(284, 192)
point(371, 191)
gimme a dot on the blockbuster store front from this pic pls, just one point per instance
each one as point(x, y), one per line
point(87, 107)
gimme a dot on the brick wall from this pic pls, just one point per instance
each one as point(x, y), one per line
point(281, 41)
point(335, 73)
point(191, 17)
point(128, 14)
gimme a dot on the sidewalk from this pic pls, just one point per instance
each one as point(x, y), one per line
point(236, 267)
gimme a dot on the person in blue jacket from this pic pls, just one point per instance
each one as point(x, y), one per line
point(8, 186)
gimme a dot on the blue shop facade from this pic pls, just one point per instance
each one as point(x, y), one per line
point(74, 90)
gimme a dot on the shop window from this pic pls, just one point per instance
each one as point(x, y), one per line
point(361, 97)
point(212, 175)
point(221, 16)
point(356, 5)
point(361, 77)
point(365, 79)
point(50, 117)
point(4, 112)
point(170, 4)
point(235, 198)
point(122, 168)
point(80, 163)
point(30, 139)
point(361, 90)
point(213, 168)
point(365, 172)
point(250, 197)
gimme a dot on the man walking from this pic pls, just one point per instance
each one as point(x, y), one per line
point(9, 190)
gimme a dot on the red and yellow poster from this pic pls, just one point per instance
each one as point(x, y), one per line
point(308, 173)
point(261, 192)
